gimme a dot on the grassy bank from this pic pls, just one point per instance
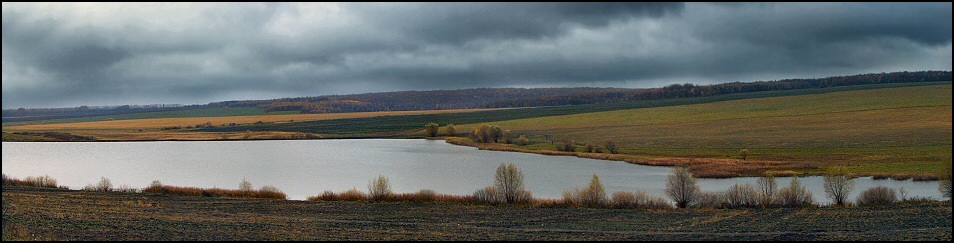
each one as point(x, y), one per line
point(54, 214)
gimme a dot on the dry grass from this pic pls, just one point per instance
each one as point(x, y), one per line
point(267, 192)
point(700, 167)
point(423, 196)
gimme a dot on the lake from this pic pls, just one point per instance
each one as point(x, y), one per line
point(303, 168)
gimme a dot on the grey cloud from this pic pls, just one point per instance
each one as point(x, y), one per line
point(246, 51)
point(794, 24)
point(455, 23)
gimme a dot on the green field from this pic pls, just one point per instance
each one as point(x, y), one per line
point(400, 126)
point(897, 130)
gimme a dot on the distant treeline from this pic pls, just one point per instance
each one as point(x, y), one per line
point(21, 114)
point(492, 97)
point(521, 97)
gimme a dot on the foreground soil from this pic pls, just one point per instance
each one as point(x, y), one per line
point(51, 214)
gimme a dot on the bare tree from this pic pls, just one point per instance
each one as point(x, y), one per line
point(611, 147)
point(245, 187)
point(379, 188)
point(681, 187)
point(744, 153)
point(509, 183)
point(495, 133)
point(595, 194)
point(838, 185)
point(768, 189)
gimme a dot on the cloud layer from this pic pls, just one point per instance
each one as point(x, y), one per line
point(64, 55)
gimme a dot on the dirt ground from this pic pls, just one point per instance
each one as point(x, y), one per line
point(52, 214)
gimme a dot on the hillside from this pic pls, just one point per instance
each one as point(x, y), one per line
point(458, 99)
point(892, 130)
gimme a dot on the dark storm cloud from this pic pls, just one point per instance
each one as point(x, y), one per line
point(462, 22)
point(99, 54)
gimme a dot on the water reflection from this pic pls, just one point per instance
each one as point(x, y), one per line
point(305, 168)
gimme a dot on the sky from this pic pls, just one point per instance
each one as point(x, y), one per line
point(73, 54)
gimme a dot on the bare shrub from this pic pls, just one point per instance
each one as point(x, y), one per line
point(425, 195)
point(741, 196)
point(681, 187)
point(507, 137)
point(155, 184)
point(266, 192)
point(523, 196)
point(431, 129)
point(484, 134)
point(522, 141)
point(945, 185)
point(768, 190)
point(709, 200)
point(352, 195)
point(624, 200)
point(838, 185)
point(637, 200)
point(656, 202)
point(593, 196)
point(496, 133)
point(566, 147)
point(245, 187)
point(795, 195)
point(325, 196)
point(878, 195)
point(451, 130)
point(488, 195)
point(573, 197)
point(39, 181)
point(270, 192)
point(127, 189)
point(104, 185)
point(5, 179)
point(379, 188)
point(590, 148)
point(744, 153)
point(508, 182)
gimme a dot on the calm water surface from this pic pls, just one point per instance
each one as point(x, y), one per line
point(303, 168)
